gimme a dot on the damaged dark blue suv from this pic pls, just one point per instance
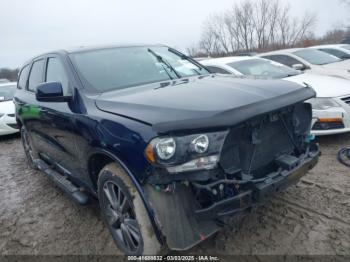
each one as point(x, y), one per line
point(167, 148)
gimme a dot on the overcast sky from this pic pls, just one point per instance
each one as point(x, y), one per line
point(30, 27)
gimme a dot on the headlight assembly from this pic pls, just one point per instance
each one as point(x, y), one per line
point(200, 144)
point(323, 103)
point(165, 148)
point(186, 153)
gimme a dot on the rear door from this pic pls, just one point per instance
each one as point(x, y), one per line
point(27, 108)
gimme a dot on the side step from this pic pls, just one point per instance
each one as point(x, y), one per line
point(63, 183)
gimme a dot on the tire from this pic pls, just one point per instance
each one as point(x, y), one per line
point(125, 214)
point(29, 150)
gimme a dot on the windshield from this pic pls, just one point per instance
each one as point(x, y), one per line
point(123, 67)
point(7, 92)
point(316, 57)
point(263, 69)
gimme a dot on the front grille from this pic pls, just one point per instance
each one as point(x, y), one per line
point(11, 115)
point(318, 126)
point(346, 100)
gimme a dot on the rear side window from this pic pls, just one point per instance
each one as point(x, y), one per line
point(36, 75)
point(22, 81)
point(217, 70)
point(283, 59)
point(55, 72)
point(338, 53)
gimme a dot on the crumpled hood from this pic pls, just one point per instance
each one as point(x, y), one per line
point(325, 86)
point(201, 102)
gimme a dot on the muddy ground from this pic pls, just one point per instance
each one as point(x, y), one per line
point(312, 217)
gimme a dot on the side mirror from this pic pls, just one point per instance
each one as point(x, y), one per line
point(299, 67)
point(51, 92)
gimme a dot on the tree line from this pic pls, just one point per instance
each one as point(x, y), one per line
point(9, 74)
point(260, 25)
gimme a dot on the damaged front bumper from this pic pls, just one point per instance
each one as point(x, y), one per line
point(259, 192)
point(184, 223)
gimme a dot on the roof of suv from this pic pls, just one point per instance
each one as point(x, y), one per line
point(91, 48)
point(88, 48)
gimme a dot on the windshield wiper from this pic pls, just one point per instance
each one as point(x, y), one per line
point(191, 60)
point(163, 61)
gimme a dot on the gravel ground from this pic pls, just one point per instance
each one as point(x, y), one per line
point(311, 218)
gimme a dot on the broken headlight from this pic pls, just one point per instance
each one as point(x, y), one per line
point(186, 153)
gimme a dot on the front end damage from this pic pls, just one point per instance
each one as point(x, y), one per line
point(257, 159)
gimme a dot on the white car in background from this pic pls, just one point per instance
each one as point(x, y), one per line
point(331, 107)
point(341, 51)
point(8, 123)
point(311, 60)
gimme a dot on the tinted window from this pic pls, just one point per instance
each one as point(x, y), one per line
point(7, 92)
point(217, 70)
point(316, 57)
point(284, 59)
point(22, 81)
point(36, 75)
point(56, 73)
point(338, 53)
point(123, 67)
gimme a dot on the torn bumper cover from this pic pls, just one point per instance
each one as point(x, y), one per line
point(259, 192)
point(184, 223)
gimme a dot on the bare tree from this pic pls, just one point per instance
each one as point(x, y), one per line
point(192, 50)
point(254, 25)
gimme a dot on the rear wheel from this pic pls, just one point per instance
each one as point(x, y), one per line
point(124, 213)
point(29, 150)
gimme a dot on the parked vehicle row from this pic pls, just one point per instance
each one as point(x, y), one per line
point(168, 148)
point(331, 107)
point(326, 68)
point(311, 60)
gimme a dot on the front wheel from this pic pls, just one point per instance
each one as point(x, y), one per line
point(124, 213)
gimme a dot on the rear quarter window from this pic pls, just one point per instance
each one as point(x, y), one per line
point(23, 76)
point(36, 75)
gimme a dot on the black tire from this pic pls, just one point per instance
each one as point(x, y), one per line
point(29, 150)
point(125, 214)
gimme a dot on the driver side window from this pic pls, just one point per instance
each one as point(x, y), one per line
point(55, 72)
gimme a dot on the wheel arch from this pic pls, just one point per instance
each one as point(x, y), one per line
point(101, 157)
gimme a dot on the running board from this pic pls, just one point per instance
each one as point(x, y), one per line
point(63, 183)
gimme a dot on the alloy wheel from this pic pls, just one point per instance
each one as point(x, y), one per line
point(120, 217)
